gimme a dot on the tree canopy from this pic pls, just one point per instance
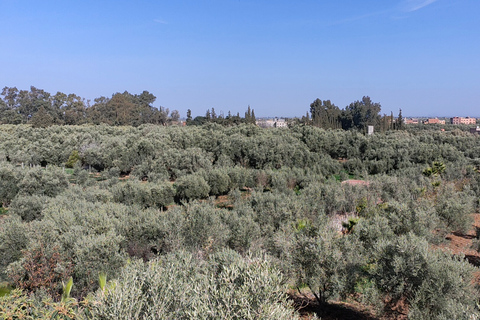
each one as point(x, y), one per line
point(42, 109)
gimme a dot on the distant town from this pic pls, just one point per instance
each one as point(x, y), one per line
point(454, 120)
point(283, 122)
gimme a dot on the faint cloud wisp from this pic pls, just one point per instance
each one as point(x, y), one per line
point(404, 5)
point(160, 21)
point(356, 18)
point(414, 5)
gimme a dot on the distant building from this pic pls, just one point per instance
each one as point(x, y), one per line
point(272, 123)
point(265, 123)
point(411, 121)
point(280, 123)
point(434, 121)
point(460, 120)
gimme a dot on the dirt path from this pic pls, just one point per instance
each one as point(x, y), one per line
point(459, 243)
point(307, 306)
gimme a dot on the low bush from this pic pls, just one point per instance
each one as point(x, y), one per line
point(28, 207)
point(318, 261)
point(433, 283)
point(454, 208)
point(219, 182)
point(9, 179)
point(243, 229)
point(180, 286)
point(49, 182)
point(42, 267)
point(94, 254)
point(13, 239)
point(203, 228)
point(191, 187)
point(146, 194)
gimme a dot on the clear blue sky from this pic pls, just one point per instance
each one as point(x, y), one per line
point(277, 56)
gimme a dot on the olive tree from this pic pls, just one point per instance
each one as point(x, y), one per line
point(181, 286)
point(191, 187)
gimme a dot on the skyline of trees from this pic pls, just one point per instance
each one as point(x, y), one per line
point(358, 115)
point(42, 109)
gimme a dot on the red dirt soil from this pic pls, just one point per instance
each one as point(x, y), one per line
point(356, 182)
point(459, 243)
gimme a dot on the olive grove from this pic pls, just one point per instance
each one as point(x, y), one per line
point(216, 222)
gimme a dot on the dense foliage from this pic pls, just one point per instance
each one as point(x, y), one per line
point(214, 222)
point(42, 109)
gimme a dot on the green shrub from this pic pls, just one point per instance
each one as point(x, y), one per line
point(72, 159)
point(18, 305)
point(162, 194)
point(9, 179)
point(435, 284)
point(219, 182)
point(144, 194)
point(417, 217)
point(349, 225)
point(203, 228)
point(191, 187)
point(79, 175)
point(94, 254)
point(86, 232)
point(48, 182)
point(21, 305)
point(437, 169)
point(183, 287)
point(243, 229)
point(28, 207)
point(13, 239)
point(318, 262)
point(454, 208)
